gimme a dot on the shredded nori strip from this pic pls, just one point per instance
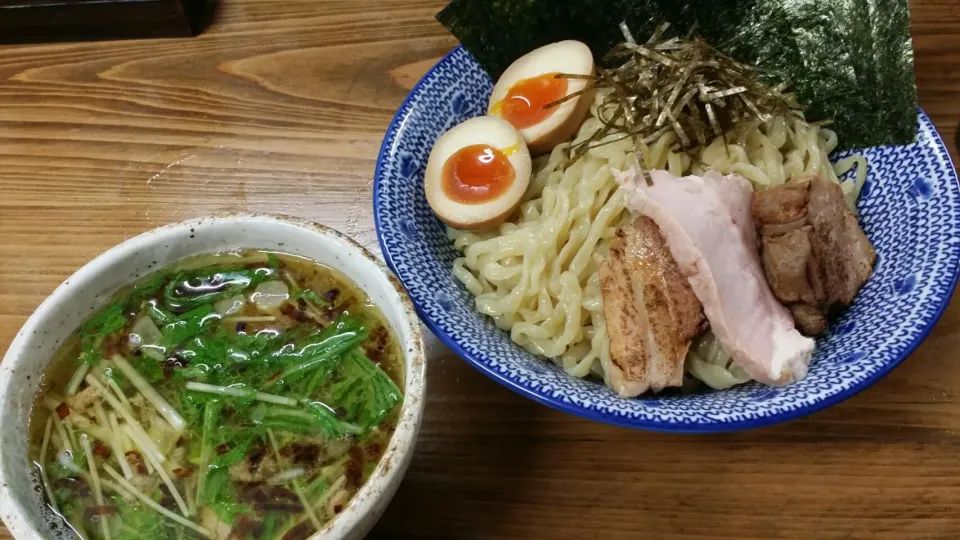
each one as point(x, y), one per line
point(850, 61)
point(680, 85)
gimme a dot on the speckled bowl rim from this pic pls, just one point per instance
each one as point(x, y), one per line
point(388, 474)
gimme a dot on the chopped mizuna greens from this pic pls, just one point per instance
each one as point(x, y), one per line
point(311, 296)
point(147, 287)
point(188, 290)
point(366, 392)
point(188, 325)
point(93, 332)
point(159, 315)
point(185, 419)
point(342, 336)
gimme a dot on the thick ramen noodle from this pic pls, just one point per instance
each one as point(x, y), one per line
point(536, 275)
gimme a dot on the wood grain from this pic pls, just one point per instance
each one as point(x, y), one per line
point(280, 107)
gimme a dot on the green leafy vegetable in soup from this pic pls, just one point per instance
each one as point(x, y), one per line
point(237, 395)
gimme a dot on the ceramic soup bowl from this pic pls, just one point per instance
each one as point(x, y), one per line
point(21, 373)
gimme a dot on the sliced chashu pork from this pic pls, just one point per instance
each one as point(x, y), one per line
point(845, 253)
point(708, 227)
point(815, 255)
point(793, 275)
point(650, 311)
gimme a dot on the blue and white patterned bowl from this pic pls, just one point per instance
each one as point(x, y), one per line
point(910, 209)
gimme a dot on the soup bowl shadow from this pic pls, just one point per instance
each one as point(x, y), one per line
point(22, 371)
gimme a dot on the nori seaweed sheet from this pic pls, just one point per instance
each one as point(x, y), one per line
point(850, 61)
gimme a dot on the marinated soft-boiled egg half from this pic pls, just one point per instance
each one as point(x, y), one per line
point(477, 173)
point(528, 87)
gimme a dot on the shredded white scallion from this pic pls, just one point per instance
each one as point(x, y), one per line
point(43, 459)
point(117, 443)
point(191, 499)
point(286, 476)
point(240, 392)
point(124, 494)
point(77, 378)
point(251, 319)
point(129, 419)
point(85, 425)
point(334, 488)
point(95, 476)
point(68, 424)
point(157, 466)
point(58, 425)
point(101, 416)
point(166, 410)
point(108, 381)
point(295, 482)
point(122, 483)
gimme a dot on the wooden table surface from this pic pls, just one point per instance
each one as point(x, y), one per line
point(280, 107)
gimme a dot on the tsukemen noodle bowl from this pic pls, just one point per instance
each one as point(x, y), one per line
point(241, 393)
point(525, 300)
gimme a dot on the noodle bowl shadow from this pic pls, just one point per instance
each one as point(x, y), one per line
point(916, 232)
point(33, 348)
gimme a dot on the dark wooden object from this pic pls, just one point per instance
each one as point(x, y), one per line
point(35, 21)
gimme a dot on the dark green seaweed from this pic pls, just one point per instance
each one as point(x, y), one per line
point(850, 61)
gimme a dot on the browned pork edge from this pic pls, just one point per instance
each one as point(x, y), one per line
point(651, 313)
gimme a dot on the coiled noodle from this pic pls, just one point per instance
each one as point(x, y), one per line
point(536, 275)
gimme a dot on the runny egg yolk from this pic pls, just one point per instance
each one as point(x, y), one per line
point(477, 174)
point(526, 102)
